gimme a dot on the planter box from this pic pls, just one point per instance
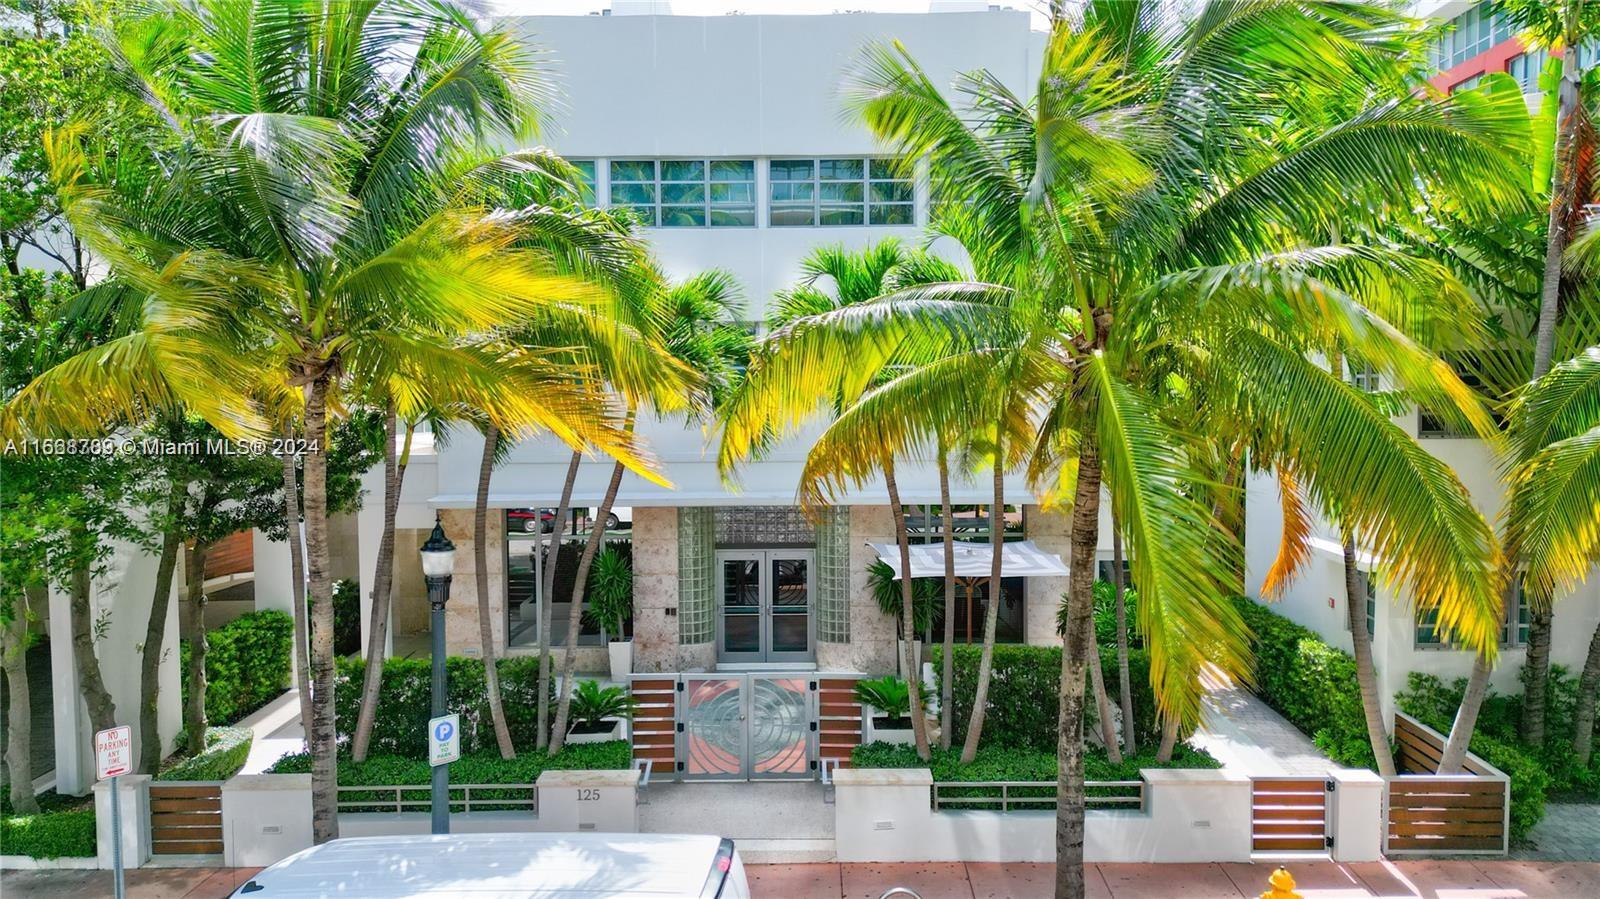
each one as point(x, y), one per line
point(615, 733)
point(621, 657)
point(903, 736)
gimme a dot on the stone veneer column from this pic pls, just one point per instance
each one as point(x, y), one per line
point(1051, 531)
point(872, 646)
point(655, 589)
point(461, 614)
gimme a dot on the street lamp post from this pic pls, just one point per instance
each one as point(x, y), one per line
point(438, 560)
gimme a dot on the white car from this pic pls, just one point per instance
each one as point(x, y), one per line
point(509, 866)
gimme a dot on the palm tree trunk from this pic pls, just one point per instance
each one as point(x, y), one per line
point(919, 721)
point(547, 585)
point(297, 585)
point(480, 551)
point(997, 539)
point(19, 713)
point(102, 711)
point(947, 662)
point(382, 589)
point(1535, 676)
point(569, 655)
point(324, 735)
point(1583, 716)
point(1169, 740)
point(1079, 637)
point(1130, 742)
point(1102, 707)
point(155, 634)
point(1455, 748)
point(194, 713)
point(1355, 602)
point(1536, 665)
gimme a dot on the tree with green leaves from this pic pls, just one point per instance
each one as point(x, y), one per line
point(1155, 222)
point(330, 241)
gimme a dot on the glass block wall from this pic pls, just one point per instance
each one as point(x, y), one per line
point(763, 526)
point(697, 554)
point(833, 575)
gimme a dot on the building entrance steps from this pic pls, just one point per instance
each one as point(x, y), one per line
point(770, 822)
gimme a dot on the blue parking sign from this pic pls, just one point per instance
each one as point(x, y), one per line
point(444, 739)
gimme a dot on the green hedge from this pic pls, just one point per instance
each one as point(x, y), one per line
point(404, 703)
point(346, 617)
point(1024, 698)
point(248, 664)
point(51, 834)
point(227, 748)
point(487, 768)
point(1310, 683)
point(994, 763)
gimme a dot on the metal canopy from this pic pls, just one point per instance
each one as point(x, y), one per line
point(974, 560)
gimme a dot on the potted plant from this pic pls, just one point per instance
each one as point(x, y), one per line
point(611, 605)
point(598, 712)
point(888, 702)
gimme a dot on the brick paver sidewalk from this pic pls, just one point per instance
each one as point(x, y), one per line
point(1388, 880)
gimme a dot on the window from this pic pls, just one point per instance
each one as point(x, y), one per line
point(586, 180)
point(530, 537)
point(1105, 569)
point(1363, 376)
point(1429, 425)
point(1368, 586)
point(1526, 68)
point(1428, 629)
point(687, 193)
point(1514, 632)
point(1467, 84)
point(925, 524)
point(807, 192)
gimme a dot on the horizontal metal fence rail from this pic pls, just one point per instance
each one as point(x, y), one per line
point(416, 798)
point(1024, 795)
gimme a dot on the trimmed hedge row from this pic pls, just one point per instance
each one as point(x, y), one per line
point(1310, 683)
point(995, 763)
point(50, 834)
point(404, 703)
point(248, 664)
point(227, 749)
point(1024, 699)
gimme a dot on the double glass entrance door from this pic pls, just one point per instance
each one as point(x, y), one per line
point(764, 605)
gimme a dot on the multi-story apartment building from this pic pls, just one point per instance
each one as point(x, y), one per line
point(1475, 42)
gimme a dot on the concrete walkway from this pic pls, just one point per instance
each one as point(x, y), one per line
point(277, 732)
point(772, 821)
point(1382, 880)
point(1244, 734)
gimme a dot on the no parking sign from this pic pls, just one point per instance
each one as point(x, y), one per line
point(444, 739)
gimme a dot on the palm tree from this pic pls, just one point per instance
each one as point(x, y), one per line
point(330, 241)
point(834, 278)
point(1136, 219)
point(1562, 164)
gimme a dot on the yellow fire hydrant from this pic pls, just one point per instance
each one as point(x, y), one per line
point(1282, 884)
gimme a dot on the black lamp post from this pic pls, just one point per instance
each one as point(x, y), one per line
point(438, 560)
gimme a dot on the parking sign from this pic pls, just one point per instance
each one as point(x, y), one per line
point(113, 752)
point(444, 739)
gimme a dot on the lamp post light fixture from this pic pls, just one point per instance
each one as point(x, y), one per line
point(438, 560)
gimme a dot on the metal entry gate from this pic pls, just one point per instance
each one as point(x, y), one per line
point(1289, 814)
point(741, 725)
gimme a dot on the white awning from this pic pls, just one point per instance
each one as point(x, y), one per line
point(1022, 559)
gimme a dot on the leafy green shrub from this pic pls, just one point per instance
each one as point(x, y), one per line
point(889, 695)
point(927, 597)
point(248, 664)
point(1430, 700)
point(592, 704)
point(405, 701)
point(227, 748)
point(1105, 614)
point(1310, 683)
point(1024, 698)
point(346, 617)
point(611, 591)
point(49, 834)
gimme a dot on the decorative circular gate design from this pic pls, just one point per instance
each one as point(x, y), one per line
point(714, 728)
point(779, 722)
point(726, 718)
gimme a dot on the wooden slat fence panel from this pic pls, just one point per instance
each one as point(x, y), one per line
point(1433, 813)
point(1289, 815)
point(838, 719)
point(186, 818)
point(655, 727)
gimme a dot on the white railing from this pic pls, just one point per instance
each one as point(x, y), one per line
point(415, 798)
point(1127, 794)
